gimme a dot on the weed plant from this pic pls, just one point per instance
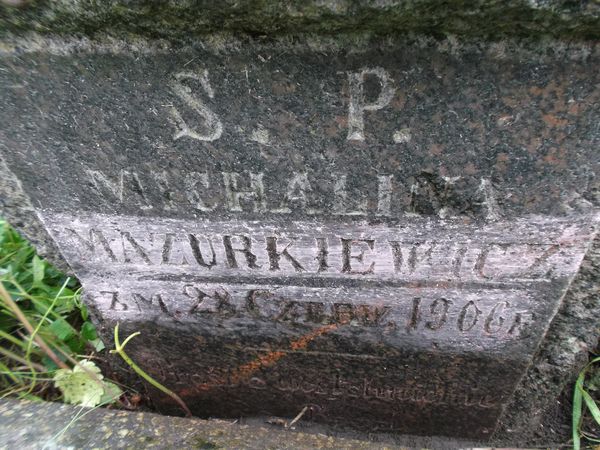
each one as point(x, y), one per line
point(45, 336)
point(586, 427)
point(44, 327)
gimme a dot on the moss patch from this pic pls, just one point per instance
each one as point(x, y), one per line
point(184, 20)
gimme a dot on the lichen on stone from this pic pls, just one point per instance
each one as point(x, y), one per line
point(184, 20)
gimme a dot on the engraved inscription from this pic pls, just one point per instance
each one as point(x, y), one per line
point(421, 393)
point(408, 389)
point(404, 313)
point(444, 284)
point(212, 124)
point(363, 234)
point(358, 104)
point(281, 193)
point(433, 251)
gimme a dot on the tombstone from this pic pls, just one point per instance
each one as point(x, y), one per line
point(383, 231)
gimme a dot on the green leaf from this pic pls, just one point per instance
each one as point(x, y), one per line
point(38, 267)
point(62, 329)
point(84, 385)
point(78, 386)
point(112, 392)
point(88, 331)
point(75, 345)
point(49, 364)
point(98, 345)
point(84, 311)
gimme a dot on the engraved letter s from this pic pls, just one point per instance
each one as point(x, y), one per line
point(212, 123)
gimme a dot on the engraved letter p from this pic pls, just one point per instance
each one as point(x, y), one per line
point(357, 105)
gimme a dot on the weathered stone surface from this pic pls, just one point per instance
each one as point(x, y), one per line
point(384, 236)
point(182, 20)
point(38, 425)
point(16, 207)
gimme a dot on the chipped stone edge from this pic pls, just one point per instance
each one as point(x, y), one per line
point(563, 352)
point(17, 209)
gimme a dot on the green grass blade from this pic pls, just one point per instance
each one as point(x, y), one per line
point(4, 370)
point(591, 404)
point(591, 439)
point(14, 340)
point(577, 410)
point(43, 319)
point(19, 359)
point(581, 396)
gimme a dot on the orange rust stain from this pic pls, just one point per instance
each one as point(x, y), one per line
point(502, 157)
point(245, 371)
point(303, 342)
